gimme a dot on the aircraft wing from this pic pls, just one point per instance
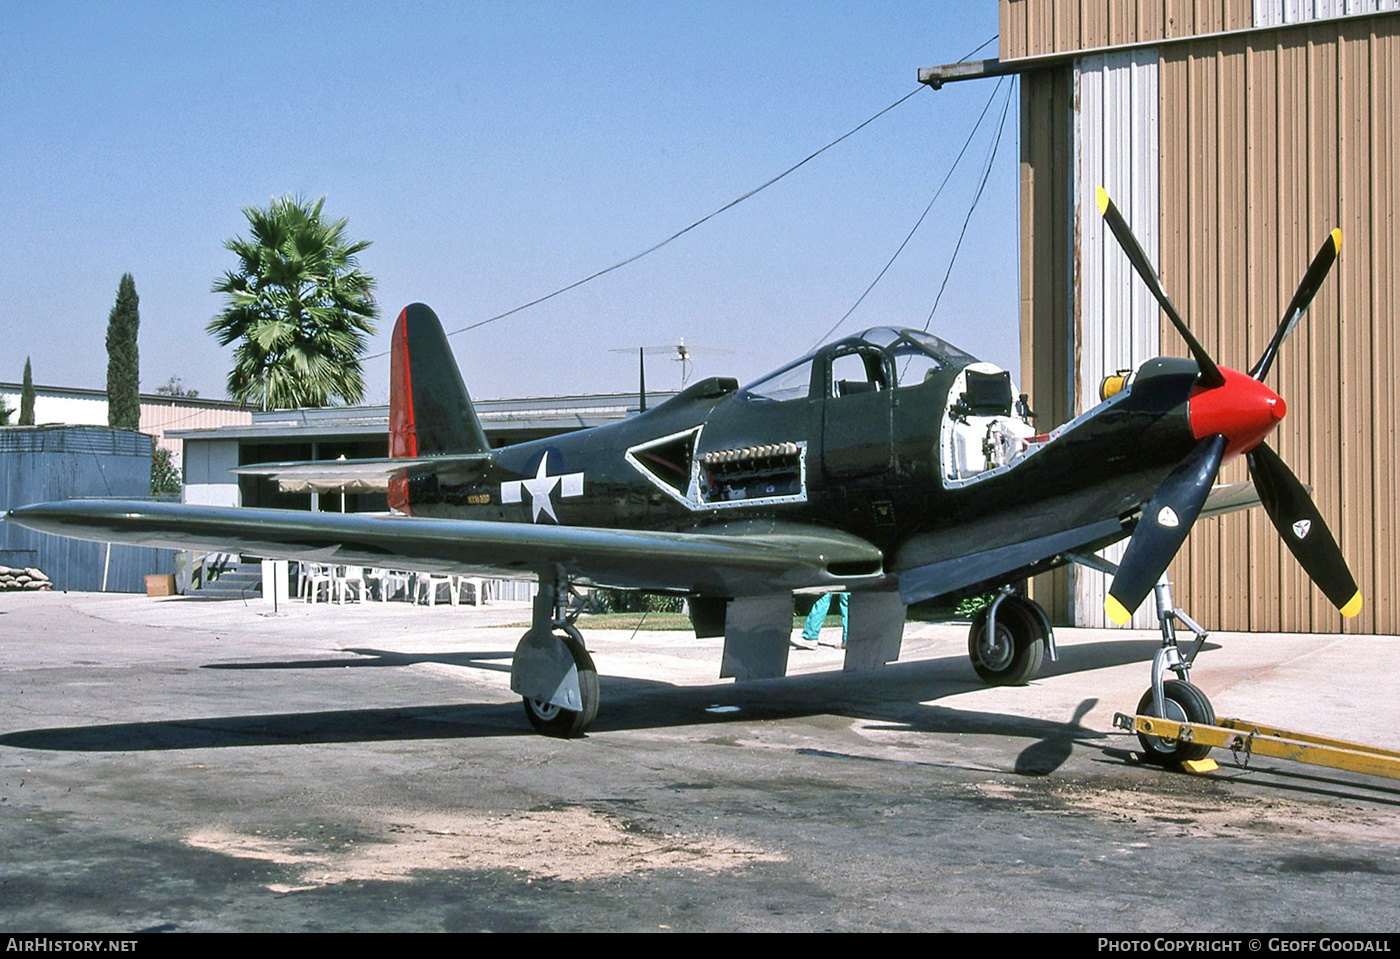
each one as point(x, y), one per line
point(731, 559)
point(950, 562)
point(1229, 497)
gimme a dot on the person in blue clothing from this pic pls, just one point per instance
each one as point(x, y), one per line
point(811, 629)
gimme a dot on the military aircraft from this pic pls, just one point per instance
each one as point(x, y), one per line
point(891, 465)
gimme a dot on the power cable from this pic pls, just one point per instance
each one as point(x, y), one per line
point(679, 233)
point(939, 192)
point(984, 46)
point(986, 174)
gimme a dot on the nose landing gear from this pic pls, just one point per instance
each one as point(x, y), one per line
point(1175, 699)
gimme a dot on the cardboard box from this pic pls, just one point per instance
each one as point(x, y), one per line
point(160, 584)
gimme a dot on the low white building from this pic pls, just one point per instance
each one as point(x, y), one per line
point(356, 432)
point(73, 406)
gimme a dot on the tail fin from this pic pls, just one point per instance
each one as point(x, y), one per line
point(430, 412)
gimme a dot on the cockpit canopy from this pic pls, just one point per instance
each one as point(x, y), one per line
point(874, 358)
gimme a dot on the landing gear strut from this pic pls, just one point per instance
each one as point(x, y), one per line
point(552, 670)
point(1175, 699)
point(1008, 640)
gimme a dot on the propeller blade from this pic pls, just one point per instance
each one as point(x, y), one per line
point(1163, 527)
point(1300, 524)
point(1210, 373)
point(1312, 280)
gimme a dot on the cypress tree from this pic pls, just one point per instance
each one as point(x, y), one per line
point(26, 397)
point(123, 362)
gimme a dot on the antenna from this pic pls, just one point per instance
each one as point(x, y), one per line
point(679, 353)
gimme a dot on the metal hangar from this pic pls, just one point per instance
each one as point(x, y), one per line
point(1234, 135)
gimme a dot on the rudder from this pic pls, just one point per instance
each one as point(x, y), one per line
point(430, 411)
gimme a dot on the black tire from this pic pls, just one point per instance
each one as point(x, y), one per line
point(1185, 704)
point(1015, 656)
point(551, 720)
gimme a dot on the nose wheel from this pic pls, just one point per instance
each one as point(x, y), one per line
point(1181, 703)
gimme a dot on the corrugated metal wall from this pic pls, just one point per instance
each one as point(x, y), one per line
point(1276, 13)
point(1035, 28)
point(158, 417)
point(1115, 316)
point(1269, 141)
point(1047, 266)
point(74, 407)
point(43, 464)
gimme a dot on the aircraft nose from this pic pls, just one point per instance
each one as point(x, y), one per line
point(1243, 409)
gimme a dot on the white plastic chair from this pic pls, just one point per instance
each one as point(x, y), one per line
point(348, 578)
point(390, 581)
point(430, 583)
point(313, 577)
point(478, 589)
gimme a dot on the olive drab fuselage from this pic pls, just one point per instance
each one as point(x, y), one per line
point(863, 446)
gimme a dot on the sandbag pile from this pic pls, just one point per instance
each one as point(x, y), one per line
point(28, 578)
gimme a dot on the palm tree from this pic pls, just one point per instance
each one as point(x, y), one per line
point(300, 305)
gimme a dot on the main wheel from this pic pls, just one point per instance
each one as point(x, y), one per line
point(1184, 704)
point(552, 720)
point(1013, 656)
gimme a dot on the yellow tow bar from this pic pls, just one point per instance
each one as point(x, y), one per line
point(1245, 739)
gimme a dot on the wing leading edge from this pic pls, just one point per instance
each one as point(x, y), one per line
point(734, 559)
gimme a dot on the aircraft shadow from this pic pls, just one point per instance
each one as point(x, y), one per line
point(895, 696)
point(376, 658)
point(1072, 660)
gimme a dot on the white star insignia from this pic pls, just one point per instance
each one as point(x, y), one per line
point(541, 489)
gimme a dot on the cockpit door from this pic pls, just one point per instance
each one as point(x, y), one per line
point(857, 411)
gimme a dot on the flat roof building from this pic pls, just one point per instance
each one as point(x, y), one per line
point(358, 432)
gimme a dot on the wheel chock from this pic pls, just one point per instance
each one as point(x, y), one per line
point(1198, 767)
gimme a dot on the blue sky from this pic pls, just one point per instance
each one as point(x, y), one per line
point(495, 152)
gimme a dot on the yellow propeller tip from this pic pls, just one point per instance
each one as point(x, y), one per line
point(1116, 611)
point(1104, 201)
point(1353, 606)
point(1337, 240)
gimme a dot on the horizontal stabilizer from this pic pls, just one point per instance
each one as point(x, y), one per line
point(359, 476)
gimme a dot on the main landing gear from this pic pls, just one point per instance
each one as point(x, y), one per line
point(1009, 639)
point(552, 670)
